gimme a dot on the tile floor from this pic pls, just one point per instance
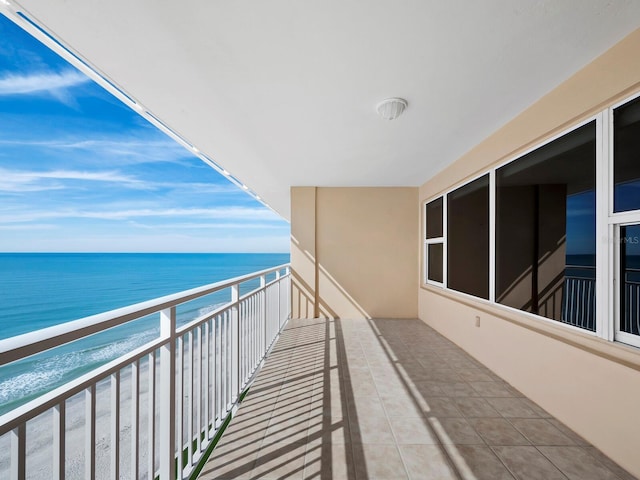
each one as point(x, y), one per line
point(392, 399)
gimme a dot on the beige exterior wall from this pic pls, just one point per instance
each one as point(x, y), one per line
point(354, 253)
point(590, 384)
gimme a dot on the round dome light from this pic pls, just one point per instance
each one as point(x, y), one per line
point(391, 108)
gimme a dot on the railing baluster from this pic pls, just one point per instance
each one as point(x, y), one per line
point(198, 391)
point(19, 452)
point(205, 379)
point(191, 361)
point(59, 442)
point(135, 419)
point(90, 432)
point(115, 426)
point(217, 380)
point(235, 339)
point(637, 298)
point(167, 395)
point(151, 427)
point(180, 400)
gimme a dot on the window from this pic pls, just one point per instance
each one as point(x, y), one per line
point(545, 230)
point(630, 276)
point(626, 204)
point(626, 152)
point(531, 234)
point(434, 240)
point(468, 238)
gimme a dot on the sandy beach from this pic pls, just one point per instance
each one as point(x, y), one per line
point(40, 437)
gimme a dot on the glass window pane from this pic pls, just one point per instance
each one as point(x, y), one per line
point(545, 230)
point(630, 274)
point(626, 155)
point(434, 218)
point(435, 262)
point(468, 238)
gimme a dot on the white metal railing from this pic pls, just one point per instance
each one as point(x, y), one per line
point(579, 302)
point(154, 412)
point(579, 292)
point(630, 311)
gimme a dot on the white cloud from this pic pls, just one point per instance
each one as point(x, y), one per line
point(225, 213)
point(34, 226)
point(51, 83)
point(24, 181)
point(209, 226)
point(120, 150)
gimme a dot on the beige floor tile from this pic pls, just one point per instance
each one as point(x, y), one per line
point(379, 462)
point(441, 407)
point(330, 429)
point(512, 407)
point(292, 429)
point(610, 464)
point(527, 463)
point(458, 389)
point(498, 431)
point(229, 462)
point(392, 399)
point(493, 389)
point(325, 460)
point(427, 462)
point(477, 462)
point(371, 429)
point(401, 404)
point(365, 406)
point(412, 431)
point(577, 439)
point(280, 460)
point(431, 388)
point(476, 375)
point(540, 432)
point(456, 431)
point(577, 464)
point(472, 407)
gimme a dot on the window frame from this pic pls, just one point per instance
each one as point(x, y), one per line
point(603, 308)
point(491, 227)
point(616, 220)
point(433, 241)
point(608, 225)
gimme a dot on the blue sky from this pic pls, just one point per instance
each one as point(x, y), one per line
point(81, 172)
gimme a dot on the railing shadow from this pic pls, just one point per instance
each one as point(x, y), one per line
point(294, 422)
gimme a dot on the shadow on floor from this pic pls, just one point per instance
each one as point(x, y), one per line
point(392, 399)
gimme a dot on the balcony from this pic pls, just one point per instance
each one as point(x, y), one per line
point(352, 399)
point(392, 399)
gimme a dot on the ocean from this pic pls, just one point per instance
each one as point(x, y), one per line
point(38, 290)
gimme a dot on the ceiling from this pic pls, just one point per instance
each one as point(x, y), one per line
point(282, 93)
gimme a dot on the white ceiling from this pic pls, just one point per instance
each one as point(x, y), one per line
point(283, 92)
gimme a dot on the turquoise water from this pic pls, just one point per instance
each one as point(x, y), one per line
point(38, 290)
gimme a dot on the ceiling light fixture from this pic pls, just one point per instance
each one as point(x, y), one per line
point(391, 108)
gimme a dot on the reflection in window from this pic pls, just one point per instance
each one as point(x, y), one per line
point(468, 238)
point(630, 275)
point(434, 240)
point(626, 154)
point(545, 230)
point(434, 218)
point(434, 261)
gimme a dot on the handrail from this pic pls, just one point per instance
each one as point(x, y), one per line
point(27, 344)
point(194, 377)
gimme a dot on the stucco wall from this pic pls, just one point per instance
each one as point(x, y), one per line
point(590, 384)
point(354, 252)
